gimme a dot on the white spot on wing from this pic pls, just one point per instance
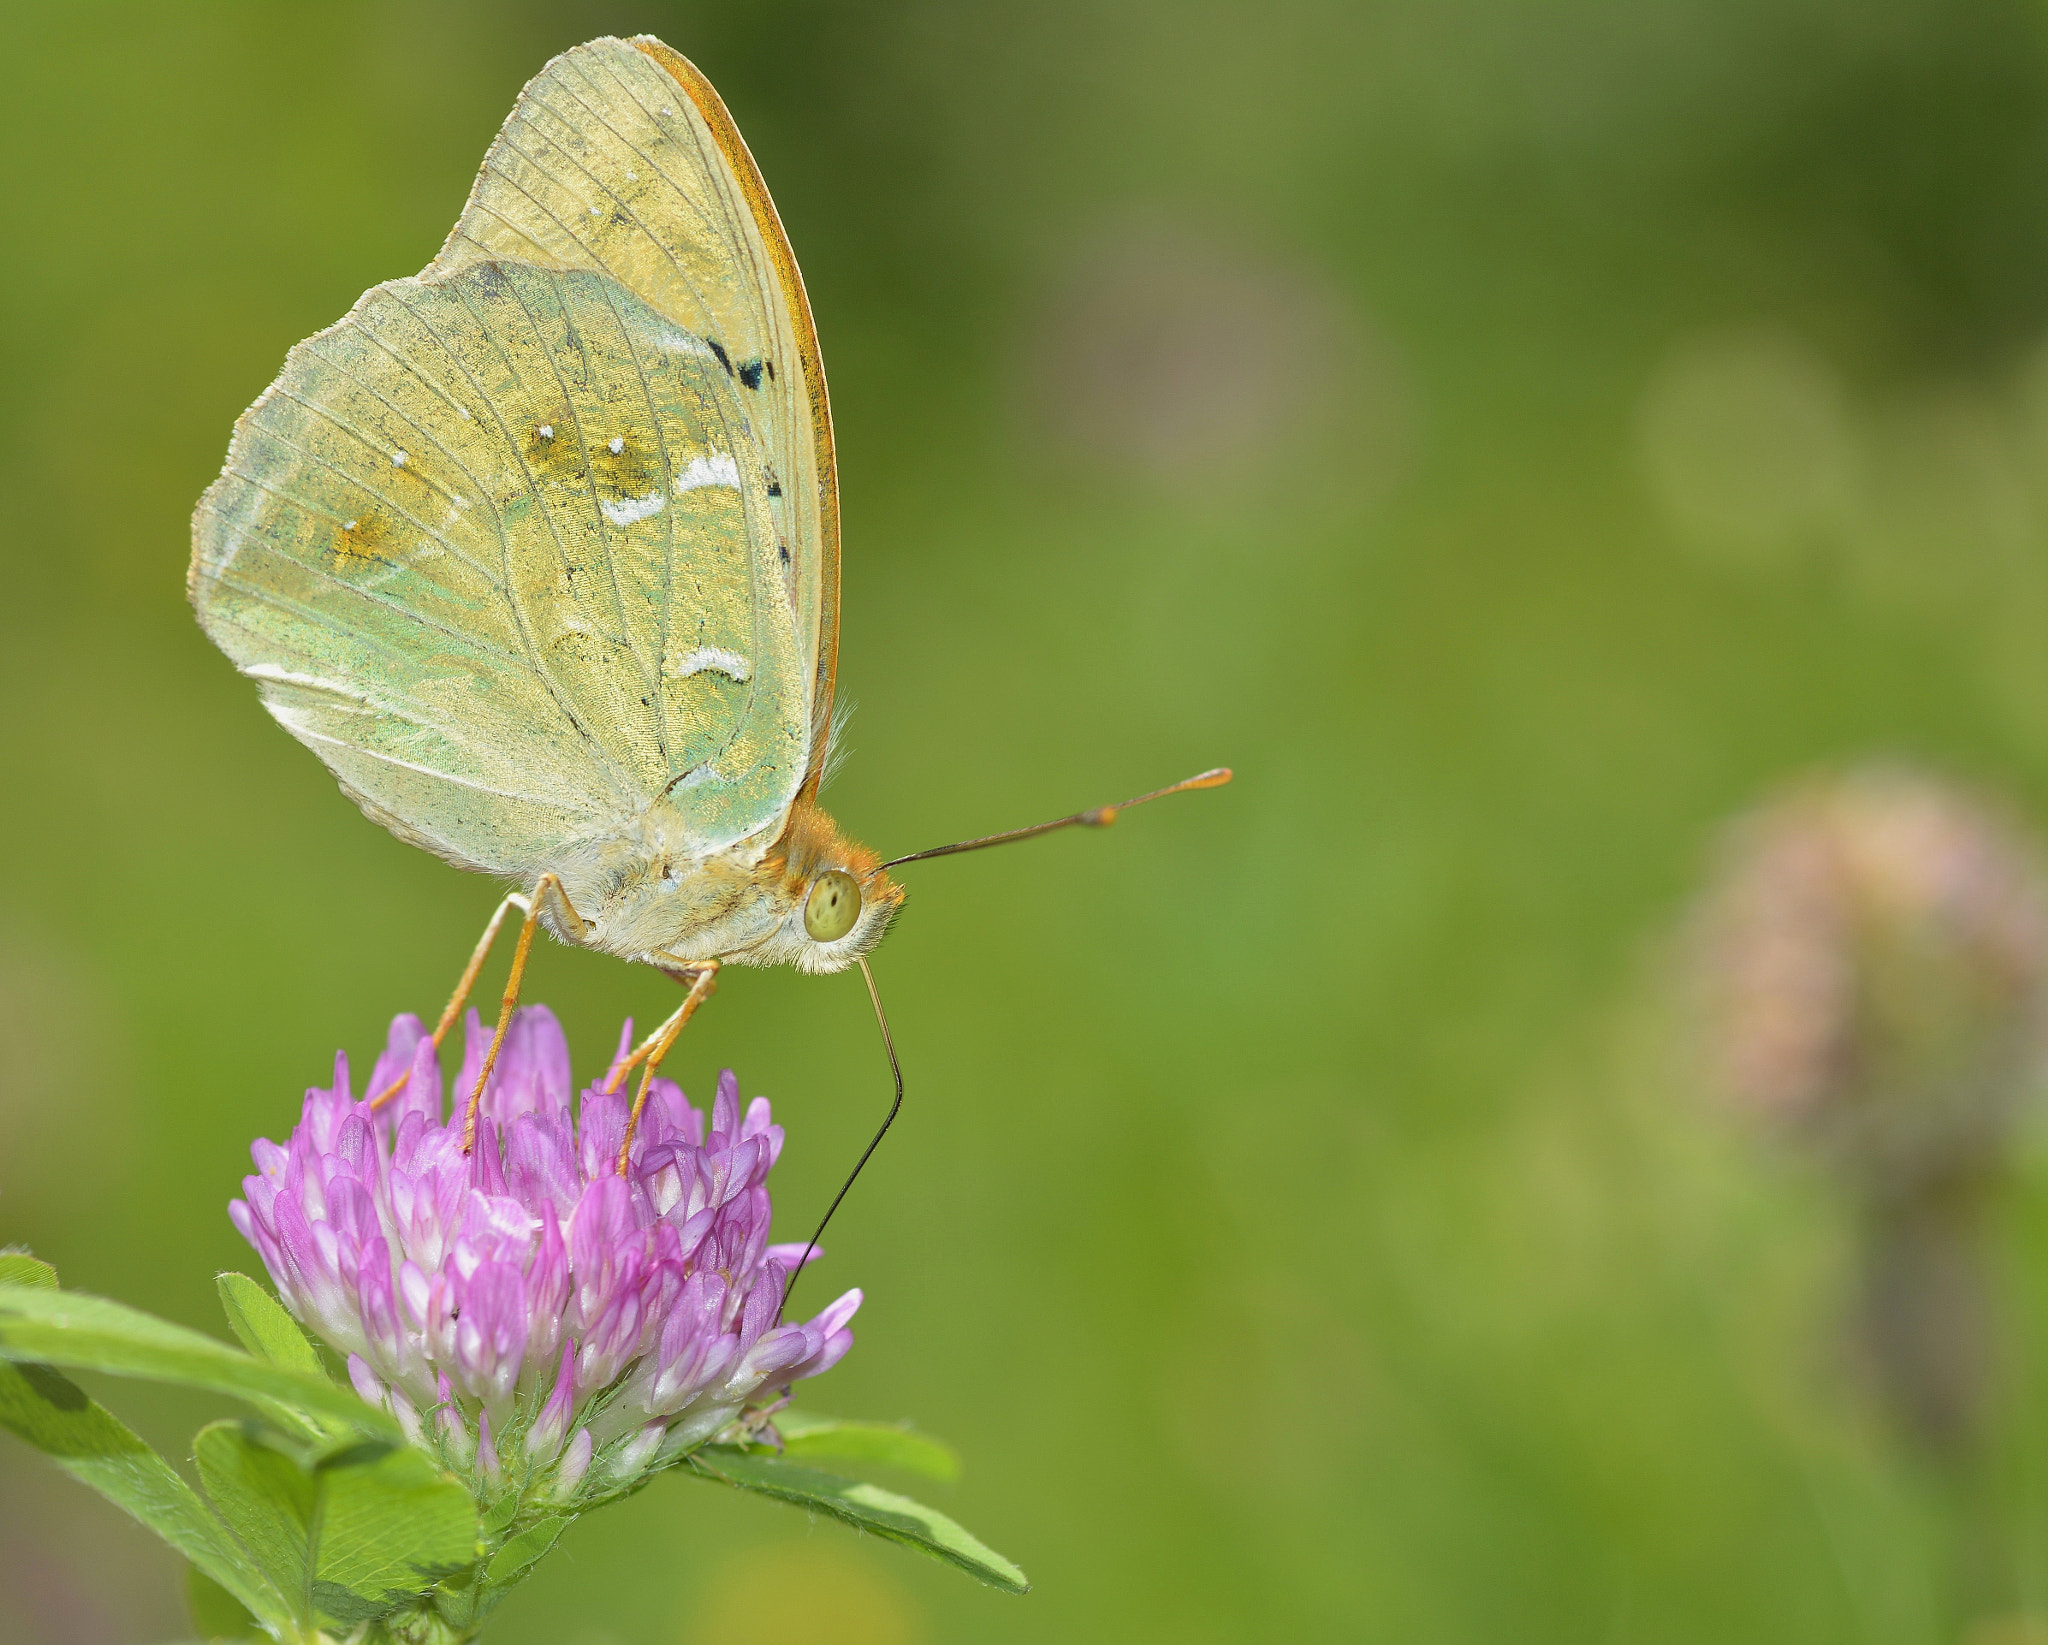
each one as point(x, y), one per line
point(312, 682)
point(616, 444)
point(681, 342)
point(398, 459)
point(630, 509)
point(713, 659)
point(718, 469)
point(547, 431)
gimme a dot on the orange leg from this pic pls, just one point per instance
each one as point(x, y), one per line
point(460, 997)
point(683, 972)
point(703, 977)
point(541, 887)
point(617, 1077)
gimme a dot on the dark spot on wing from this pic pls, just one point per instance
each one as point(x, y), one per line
point(630, 472)
point(750, 372)
point(718, 349)
point(774, 485)
point(783, 550)
point(359, 542)
point(552, 448)
point(770, 364)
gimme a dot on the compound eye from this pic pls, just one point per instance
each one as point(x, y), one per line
point(833, 908)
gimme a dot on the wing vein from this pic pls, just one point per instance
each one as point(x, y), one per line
point(656, 697)
point(334, 420)
point(623, 631)
point(621, 779)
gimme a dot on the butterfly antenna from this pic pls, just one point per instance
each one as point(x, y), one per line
point(895, 1068)
point(1100, 817)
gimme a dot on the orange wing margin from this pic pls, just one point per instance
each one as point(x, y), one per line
point(730, 144)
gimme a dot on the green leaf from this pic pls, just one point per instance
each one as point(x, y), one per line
point(19, 1268)
point(868, 1507)
point(394, 1525)
point(52, 1413)
point(92, 1334)
point(516, 1558)
point(262, 1326)
point(500, 1515)
point(216, 1612)
point(351, 1536)
point(806, 1436)
point(266, 1497)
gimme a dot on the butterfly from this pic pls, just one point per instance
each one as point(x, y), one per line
point(538, 551)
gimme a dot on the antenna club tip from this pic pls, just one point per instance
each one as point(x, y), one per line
point(1210, 779)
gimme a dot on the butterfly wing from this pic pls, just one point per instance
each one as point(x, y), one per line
point(619, 156)
point(491, 548)
point(515, 546)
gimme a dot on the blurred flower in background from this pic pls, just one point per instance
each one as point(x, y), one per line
point(1873, 967)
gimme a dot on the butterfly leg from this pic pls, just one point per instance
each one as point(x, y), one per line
point(572, 921)
point(702, 979)
point(460, 997)
point(686, 975)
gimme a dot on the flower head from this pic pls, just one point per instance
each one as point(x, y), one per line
point(1874, 961)
point(526, 1305)
point(1875, 966)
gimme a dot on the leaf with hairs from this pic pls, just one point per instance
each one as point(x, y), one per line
point(350, 1536)
point(262, 1326)
point(393, 1524)
point(867, 1507)
point(88, 1333)
point(52, 1413)
point(19, 1268)
point(807, 1436)
point(268, 1500)
point(517, 1557)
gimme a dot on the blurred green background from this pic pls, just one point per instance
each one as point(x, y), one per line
point(1513, 436)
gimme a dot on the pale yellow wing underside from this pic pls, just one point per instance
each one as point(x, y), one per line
point(545, 540)
point(619, 156)
point(492, 547)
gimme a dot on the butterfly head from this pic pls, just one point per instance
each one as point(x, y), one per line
point(836, 901)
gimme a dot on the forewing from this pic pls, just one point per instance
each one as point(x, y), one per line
point(497, 548)
point(620, 157)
